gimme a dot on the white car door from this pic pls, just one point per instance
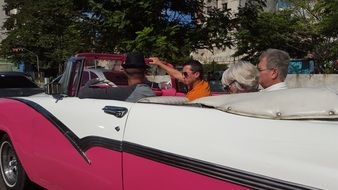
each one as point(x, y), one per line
point(78, 142)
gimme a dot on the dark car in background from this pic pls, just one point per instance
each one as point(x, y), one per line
point(17, 84)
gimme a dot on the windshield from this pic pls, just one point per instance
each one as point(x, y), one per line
point(70, 77)
point(105, 70)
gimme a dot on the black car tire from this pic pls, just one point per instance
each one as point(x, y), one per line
point(12, 173)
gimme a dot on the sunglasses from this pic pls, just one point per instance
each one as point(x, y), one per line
point(266, 69)
point(186, 74)
point(227, 86)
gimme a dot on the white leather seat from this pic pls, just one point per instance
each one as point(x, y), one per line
point(165, 100)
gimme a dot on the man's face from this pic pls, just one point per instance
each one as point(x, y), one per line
point(189, 77)
point(265, 74)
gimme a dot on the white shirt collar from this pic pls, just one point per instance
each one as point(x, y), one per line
point(278, 86)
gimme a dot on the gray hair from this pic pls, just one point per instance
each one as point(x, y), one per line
point(243, 74)
point(277, 59)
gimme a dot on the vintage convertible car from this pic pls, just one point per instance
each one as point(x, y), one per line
point(285, 139)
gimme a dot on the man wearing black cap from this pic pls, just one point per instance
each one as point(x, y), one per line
point(135, 69)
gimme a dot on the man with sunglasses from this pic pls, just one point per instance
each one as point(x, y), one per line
point(192, 76)
point(273, 68)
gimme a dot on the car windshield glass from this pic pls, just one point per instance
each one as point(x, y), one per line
point(112, 65)
point(118, 78)
point(105, 70)
point(16, 82)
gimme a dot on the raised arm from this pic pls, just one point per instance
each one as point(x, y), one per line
point(171, 71)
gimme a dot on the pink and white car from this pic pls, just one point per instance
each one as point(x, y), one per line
point(267, 140)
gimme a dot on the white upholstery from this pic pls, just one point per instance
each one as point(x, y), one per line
point(165, 99)
point(297, 103)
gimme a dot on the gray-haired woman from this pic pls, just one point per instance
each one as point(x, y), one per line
point(241, 77)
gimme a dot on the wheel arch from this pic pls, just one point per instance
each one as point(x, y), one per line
point(18, 153)
point(21, 153)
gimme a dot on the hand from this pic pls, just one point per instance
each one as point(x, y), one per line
point(108, 82)
point(155, 61)
point(97, 81)
point(92, 82)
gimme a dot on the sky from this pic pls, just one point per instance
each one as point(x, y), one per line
point(175, 15)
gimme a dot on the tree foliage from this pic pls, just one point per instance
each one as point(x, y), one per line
point(327, 49)
point(304, 27)
point(171, 29)
point(56, 29)
point(47, 28)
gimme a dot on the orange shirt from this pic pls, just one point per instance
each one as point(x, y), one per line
point(200, 90)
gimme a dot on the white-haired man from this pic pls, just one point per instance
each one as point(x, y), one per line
point(273, 68)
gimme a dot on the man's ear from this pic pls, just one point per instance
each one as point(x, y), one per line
point(274, 74)
point(197, 74)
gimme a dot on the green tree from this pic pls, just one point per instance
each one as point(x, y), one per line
point(258, 31)
point(56, 29)
point(305, 26)
point(47, 28)
point(169, 29)
point(326, 51)
point(275, 30)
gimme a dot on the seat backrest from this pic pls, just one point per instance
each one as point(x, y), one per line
point(175, 100)
point(169, 92)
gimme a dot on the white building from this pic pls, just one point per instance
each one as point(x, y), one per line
point(3, 17)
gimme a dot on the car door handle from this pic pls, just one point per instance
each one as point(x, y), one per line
point(116, 111)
